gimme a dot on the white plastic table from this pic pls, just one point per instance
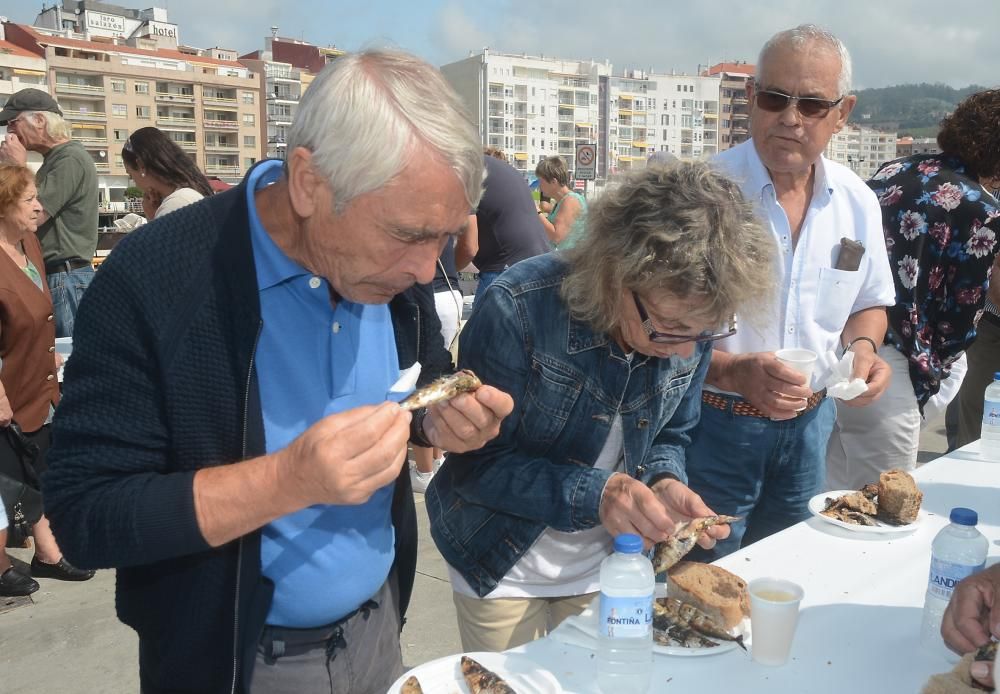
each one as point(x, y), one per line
point(859, 624)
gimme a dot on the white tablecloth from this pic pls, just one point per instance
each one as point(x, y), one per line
point(859, 624)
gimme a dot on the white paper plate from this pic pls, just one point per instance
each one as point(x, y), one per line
point(444, 675)
point(818, 503)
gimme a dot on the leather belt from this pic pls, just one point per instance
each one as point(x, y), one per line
point(745, 409)
point(65, 265)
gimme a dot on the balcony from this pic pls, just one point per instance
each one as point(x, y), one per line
point(77, 88)
point(284, 97)
point(102, 167)
point(221, 147)
point(220, 102)
point(217, 124)
point(85, 115)
point(187, 145)
point(740, 101)
point(222, 170)
point(174, 97)
point(91, 142)
point(176, 121)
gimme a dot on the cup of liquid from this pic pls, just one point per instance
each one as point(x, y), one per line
point(774, 613)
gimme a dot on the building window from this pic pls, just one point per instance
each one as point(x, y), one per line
point(142, 88)
point(247, 97)
point(249, 140)
point(248, 119)
point(249, 161)
point(142, 111)
point(118, 161)
point(119, 110)
point(121, 135)
point(118, 86)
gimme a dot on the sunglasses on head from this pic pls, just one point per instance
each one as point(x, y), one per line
point(808, 106)
point(674, 339)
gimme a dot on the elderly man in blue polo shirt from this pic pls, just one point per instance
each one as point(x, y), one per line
point(760, 448)
point(228, 438)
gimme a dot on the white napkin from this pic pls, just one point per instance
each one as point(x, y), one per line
point(579, 630)
point(839, 383)
point(405, 384)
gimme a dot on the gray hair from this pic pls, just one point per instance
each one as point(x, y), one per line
point(684, 229)
point(55, 126)
point(369, 114)
point(804, 35)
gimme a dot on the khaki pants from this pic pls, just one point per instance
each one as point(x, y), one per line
point(502, 623)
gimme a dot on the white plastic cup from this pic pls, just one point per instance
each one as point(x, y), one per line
point(802, 360)
point(774, 612)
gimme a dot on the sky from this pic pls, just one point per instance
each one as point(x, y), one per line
point(891, 41)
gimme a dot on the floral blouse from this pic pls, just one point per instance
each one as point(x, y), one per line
point(941, 231)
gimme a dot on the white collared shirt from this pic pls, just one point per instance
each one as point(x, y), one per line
point(814, 300)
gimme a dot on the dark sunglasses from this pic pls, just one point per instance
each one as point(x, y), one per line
point(808, 106)
point(673, 339)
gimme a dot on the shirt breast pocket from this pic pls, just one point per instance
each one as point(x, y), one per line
point(548, 401)
point(835, 296)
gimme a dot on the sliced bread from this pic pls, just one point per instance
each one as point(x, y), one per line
point(713, 590)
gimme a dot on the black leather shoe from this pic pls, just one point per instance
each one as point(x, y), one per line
point(63, 571)
point(14, 583)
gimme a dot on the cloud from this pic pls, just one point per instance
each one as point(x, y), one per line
point(456, 32)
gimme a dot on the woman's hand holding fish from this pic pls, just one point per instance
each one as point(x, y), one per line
point(682, 504)
point(629, 506)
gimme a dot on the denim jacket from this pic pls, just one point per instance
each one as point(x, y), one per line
point(487, 507)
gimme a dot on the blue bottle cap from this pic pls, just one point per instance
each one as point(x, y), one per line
point(628, 543)
point(964, 516)
point(996, 376)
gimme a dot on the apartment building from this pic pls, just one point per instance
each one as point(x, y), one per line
point(285, 68)
point(205, 101)
point(650, 112)
point(531, 106)
point(907, 145)
point(98, 20)
point(862, 149)
point(734, 116)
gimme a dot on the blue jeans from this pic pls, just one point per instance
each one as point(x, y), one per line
point(67, 289)
point(762, 470)
point(485, 280)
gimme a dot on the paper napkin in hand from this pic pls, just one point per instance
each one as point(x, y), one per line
point(405, 384)
point(839, 383)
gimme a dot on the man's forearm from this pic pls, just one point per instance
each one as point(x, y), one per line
point(233, 500)
point(870, 323)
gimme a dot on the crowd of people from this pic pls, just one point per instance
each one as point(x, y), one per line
point(229, 438)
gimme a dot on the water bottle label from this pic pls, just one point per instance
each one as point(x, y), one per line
point(991, 413)
point(945, 575)
point(626, 618)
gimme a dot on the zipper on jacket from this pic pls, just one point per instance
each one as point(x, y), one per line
point(239, 551)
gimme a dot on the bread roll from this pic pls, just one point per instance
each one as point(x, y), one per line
point(713, 590)
point(898, 497)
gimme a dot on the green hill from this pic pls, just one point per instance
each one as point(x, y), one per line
point(909, 109)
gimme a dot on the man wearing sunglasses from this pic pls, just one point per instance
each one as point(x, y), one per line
point(760, 448)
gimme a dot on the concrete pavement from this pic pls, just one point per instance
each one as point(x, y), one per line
point(66, 638)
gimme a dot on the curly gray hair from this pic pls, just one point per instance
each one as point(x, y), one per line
point(684, 229)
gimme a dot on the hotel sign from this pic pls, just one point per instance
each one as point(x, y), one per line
point(161, 30)
point(107, 22)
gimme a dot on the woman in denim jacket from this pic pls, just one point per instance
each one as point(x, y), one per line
point(604, 349)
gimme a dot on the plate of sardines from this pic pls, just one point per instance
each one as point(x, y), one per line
point(890, 507)
point(478, 673)
point(701, 609)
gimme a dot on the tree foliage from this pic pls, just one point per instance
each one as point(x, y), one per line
point(908, 107)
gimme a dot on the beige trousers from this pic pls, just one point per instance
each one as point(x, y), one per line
point(502, 623)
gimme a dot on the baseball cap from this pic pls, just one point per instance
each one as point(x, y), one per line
point(27, 100)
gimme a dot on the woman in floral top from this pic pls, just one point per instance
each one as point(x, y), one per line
point(941, 231)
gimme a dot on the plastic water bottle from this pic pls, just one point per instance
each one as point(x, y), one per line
point(625, 630)
point(989, 442)
point(959, 550)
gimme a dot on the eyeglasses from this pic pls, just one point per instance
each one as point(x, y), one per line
point(673, 339)
point(808, 106)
